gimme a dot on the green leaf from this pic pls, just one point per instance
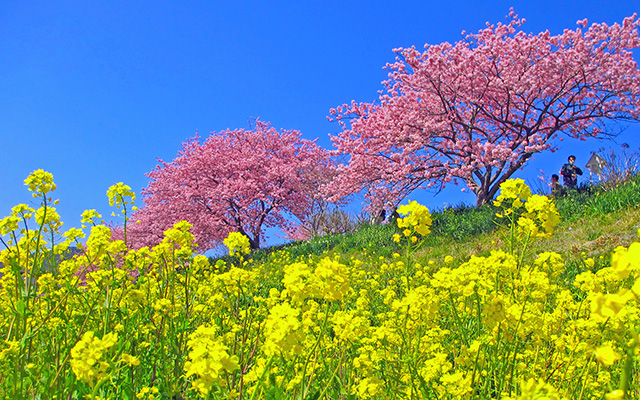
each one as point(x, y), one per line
point(20, 307)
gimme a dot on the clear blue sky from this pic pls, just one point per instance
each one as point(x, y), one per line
point(96, 91)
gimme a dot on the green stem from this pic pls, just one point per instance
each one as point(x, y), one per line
point(458, 321)
point(335, 372)
point(313, 349)
point(525, 245)
point(515, 345)
point(101, 382)
point(37, 252)
point(626, 372)
point(585, 372)
point(266, 369)
point(124, 212)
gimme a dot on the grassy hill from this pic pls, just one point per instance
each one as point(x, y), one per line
point(594, 220)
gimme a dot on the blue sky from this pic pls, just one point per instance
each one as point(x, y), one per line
point(95, 91)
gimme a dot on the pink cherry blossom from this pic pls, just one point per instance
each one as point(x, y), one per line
point(234, 181)
point(478, 109)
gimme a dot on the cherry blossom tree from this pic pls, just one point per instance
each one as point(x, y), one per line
point(234, 181)
point(477, 110)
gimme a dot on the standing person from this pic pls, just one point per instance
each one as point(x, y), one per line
point(556, 187)
point(570, 173)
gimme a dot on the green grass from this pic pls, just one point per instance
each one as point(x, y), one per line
point(346, 243)
point(592, 220)
point(594, 200)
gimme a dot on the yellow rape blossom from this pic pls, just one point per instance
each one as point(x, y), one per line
point(513, 192)
point(73, 234)
point(90, 217)
point(237, 243)
point(605, 306)
point(369, 387)
point(299, 281)
point(22, 211)
point(606, 355)
point(538, 390)
point(349, 326)
point(130, 360)
point(86, 356)
point(8, 224)
point(434, 367)
point(120, 195)
point(98, 240)
point(282, 331)
point(208, 358)
point(179, 234)
point(550, 262)
point(416, 217)
point(332, 279)
point(163, 305)
point(626, 260)
point(384, 324)
point(48, 217)
point(147, 393)
point(615, 395)
point(541, 211)
point(457, 384)
point(528, 216)
point(40, 182)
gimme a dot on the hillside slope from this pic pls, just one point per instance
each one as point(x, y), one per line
point(592, 221)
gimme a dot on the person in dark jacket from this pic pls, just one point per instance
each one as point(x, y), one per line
point(570, 173)
point(556, 187)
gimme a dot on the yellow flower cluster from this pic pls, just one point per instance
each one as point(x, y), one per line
point(208, 358)
point(332, 279)
point(40, 183)
point(416, 217)
point(90, 217)
point(237, 244)
point(541, 217)
point(283, 331)
point(147, 393)
point(537, 390)
point(178, 241)
point(120, 195)
point(534, 215)
point(329, 280)
point(87, 356)
point(513, 192)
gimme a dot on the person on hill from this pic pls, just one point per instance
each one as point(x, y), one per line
point(556, 187)
point(570, 173)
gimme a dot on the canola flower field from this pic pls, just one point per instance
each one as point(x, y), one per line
point(163, 323)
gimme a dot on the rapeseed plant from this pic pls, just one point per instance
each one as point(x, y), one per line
point(162, 322)
point(87, 360)
point(237, 243)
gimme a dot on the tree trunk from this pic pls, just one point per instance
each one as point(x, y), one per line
point(254, 243)
point(482, 197)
